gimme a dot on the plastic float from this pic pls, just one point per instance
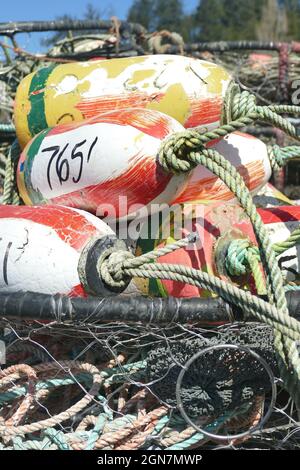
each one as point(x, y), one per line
point(216, 225)
point(52, 250)
point(190, 90)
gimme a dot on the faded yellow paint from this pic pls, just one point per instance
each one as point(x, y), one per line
point(140, 75)
point(216, 78)
point(175, 103)
point(21, 111)
point(114, 67)
point(61, 108)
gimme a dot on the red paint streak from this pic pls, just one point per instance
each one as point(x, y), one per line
point(77, 291)
point(212, 188)
point(150, 122)
point(204, 111)
point(91, 107)
point(140, 184)
point(73, 228)
point(280, 214)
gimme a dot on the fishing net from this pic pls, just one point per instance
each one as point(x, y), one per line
point(219, 380)
point(134, 370)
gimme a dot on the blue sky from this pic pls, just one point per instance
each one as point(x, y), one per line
point(26, 10)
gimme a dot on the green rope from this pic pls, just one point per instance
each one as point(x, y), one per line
point(241, 258)
point(280, 156)
point(10, 192)
point(58, 438)
point(290, 242)
point(180, 153)
point(243, 105)
point(7, 128)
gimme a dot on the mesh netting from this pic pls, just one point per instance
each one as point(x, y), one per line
point(219, 380)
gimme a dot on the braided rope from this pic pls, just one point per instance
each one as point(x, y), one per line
point(290, 242)
point(182, 152)
point(244, 105)
point(10, 431)
point(243, 257)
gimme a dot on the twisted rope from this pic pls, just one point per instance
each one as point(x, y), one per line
point(243, 105)
point(10, 192)
point(10, 431)
point(243, 257)
point(182, 152)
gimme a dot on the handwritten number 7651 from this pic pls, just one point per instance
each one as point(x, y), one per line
point(62, 165)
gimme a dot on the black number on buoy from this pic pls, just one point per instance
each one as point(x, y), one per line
point(62, 167)
point(74, 155)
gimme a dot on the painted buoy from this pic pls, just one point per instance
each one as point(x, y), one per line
point(216, 225)
point(190, 90)
point(52, 250)
point(269, 196)
point(249, 156)
point(106, 165)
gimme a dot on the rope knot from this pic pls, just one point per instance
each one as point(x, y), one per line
point(111, 268)
point(239, 255)
point(243, 104)
point(175, 153)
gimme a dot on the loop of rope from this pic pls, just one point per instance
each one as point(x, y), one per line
point(237, 259)
point(183, 151)
point(242, 257)
point(243, 105)
point(279, 156)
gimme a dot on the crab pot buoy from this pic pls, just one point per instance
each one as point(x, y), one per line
point(52, 250)
point(269, 196)
point(249, 156)
point(190, 90)
point(216, 226)
point(106, 165)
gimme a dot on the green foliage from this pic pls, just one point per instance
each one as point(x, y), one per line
point(142, 12)
point(212, 20)
point(227, 19)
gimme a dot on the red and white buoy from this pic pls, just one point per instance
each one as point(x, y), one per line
point(106, 165)
point(246, 153)
point(216, 225)
point(49, 249)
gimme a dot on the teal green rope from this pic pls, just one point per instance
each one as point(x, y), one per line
point(58, 438)
point(96, 431)
point(7, 128)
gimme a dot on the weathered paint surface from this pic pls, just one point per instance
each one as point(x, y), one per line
point(281, 222)
point(269, 196)
point(40, 248)
point(90, 165)
point(188, 89)
point(212, 223)
point(249, 156)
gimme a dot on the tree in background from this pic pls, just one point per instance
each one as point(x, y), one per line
point(168, 15)
point(212, 20)
point(142, 12)
point(157, 15)
point(292, 8)
point(227, 20)
point(273, 25)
